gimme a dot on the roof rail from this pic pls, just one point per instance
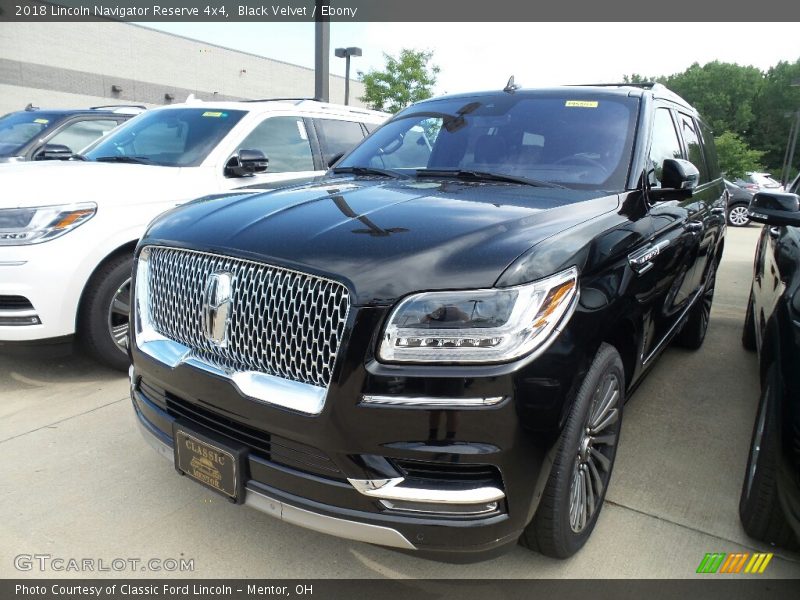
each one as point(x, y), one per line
point(114, 106)
point(645, 85)
point(296, 100)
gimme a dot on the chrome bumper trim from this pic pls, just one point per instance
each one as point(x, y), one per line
point(430, 402)
point(353, 530)
point(22, 312)
point(393, 489)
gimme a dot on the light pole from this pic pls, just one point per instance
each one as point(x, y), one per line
point(346, 53)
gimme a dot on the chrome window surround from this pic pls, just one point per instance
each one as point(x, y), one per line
point(269, 374)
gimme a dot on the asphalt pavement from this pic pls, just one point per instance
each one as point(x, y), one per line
point(78, 481)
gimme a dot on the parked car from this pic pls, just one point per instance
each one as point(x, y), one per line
point(68, 228)
point(738, 203)
point(430, 347)
point(36, 134)
point(770, 501)
point(756, 182)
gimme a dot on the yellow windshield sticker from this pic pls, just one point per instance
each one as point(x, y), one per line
point(41, 121)
point(582, 103)
point(210, 113)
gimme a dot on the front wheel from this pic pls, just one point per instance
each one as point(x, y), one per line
point(585, 452)
point(738, 215)
point(103, 319)
point(759, 507)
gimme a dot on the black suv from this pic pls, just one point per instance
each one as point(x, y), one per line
point(770, 502)
point(430, 348)
point(36, 134)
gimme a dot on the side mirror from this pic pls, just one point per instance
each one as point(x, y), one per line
point(775, 208)
point(53, 152)
point(246, 163)
point(334, 159)
point(679, 178)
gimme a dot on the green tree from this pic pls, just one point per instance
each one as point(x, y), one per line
point(406, 79)
point(775, 107)
point(735, 157)
point(723, 93)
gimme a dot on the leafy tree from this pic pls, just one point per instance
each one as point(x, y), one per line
point(775, 107)
point(722, 92)
point(735, 157)
point(406, 79)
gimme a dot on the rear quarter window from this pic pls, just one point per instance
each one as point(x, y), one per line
point(709, 151)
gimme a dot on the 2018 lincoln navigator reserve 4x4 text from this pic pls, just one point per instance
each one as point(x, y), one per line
point(430, 348)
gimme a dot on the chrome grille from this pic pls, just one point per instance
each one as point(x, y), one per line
point(282, 322)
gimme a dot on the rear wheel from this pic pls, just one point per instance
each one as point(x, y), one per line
point(749, 329)
point(576, 488)
point(694, 330)
point(759, 508)
point(738, 215)
point(103, 319)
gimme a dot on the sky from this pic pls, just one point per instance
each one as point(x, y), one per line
point(476, 56)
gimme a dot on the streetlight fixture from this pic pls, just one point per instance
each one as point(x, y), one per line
point(346, 53)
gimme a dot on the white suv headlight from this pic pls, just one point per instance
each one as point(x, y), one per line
point(21, 226)
point(490, 325)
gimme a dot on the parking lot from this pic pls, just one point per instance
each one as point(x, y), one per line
point(79, 482)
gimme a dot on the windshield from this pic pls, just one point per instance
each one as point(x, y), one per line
point(17, 129)
point(575, 141)
point(175, 137)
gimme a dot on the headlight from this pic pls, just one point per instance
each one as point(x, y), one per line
point(494, 325)
point(20, 226)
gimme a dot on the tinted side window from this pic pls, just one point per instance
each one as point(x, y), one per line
point(284, 141)
point(337, 137)
point(76, 136)
point(693, 146)
point(710, 151)
point(665, 145)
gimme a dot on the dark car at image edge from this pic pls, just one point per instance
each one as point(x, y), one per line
point(770, 500)
point(430, 347)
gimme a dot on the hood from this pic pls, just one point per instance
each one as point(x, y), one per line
point(61, 182)
point(384, 239)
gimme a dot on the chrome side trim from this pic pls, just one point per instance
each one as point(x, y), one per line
point(430, 402)
point(352, 530)
point(392, 489)
point(12, 263)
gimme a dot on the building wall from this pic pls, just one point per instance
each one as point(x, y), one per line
point(70, 65)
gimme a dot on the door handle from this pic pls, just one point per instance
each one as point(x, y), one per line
point(694, 226)
point(718, 210)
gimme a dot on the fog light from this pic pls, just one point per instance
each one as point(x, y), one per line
point(16, 321)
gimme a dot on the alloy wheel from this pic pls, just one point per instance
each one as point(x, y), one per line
point(595, 454)
point(739, 216)
point(119, 316)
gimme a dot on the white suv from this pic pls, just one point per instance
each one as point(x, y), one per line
point(68, 229)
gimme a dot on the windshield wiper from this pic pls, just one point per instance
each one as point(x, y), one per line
point(139, 160)
point(77, 156)
point(485, 176)
point(367, 171)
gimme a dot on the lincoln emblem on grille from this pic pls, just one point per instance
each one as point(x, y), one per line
point(217, 307)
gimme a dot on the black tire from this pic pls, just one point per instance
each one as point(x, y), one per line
point(551, 531)
point(737, 215)
point(693, 332)
point(94, 318)
point(749, 329)
point(759, 508)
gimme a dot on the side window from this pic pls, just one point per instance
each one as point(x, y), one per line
point(337, 137)
point(710, 151)
point(693, 146)
point(76, 136)
point(665, 145)
point(284, 141)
